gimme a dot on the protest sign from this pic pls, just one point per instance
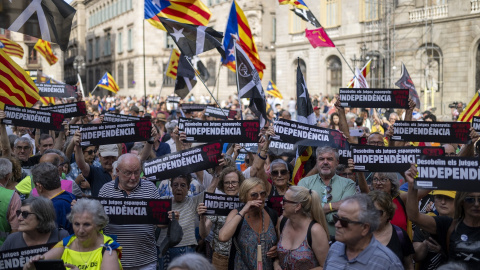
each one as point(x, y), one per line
point(235, 131)
point(277, 148)
point(308, 135)
point(68, 110)
point(110, 133)
point(275, 202)
point(15, 259)
point(476, 123)
point(220, 113)
point(136, 211)
point(448, 173)
point(172, 99)
point(73, 129)
point(55, 90)
point(374, 98)
point(183, 162)
point(389, 159)
point(187, 108)
point(344, 155)
point(117, 118)
point(28, 117)
point(220, 204)
point(442, 132)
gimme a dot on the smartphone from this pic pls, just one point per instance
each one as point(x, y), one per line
point(356, 132)
point(50, 265)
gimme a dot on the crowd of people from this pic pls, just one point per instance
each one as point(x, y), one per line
point(333, 218)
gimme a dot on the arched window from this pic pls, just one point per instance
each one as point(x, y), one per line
point(120, 76)
point(130, 76)
point(211, 65)
point(303, 68)
point(334, 74)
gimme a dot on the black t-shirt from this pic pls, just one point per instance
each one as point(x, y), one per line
point(31, 161)
point(433, 259)
point(464, 242)
point(401, 248)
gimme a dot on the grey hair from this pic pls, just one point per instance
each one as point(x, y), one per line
point(367, 214)
point(279, 161)
point(46, 174)
point(394, 114)
point(328, 149)
point(393, 178)
point(44, 211)
point(5, 167)
point(93, 207)
point(191, 261)
point(58, 152)
point(23, 139)
point(170, 126)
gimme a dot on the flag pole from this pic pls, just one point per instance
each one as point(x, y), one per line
point(91, 93)
point(204, 84)
point(217, 83)
point(81, 85)
point(341, 54)
point(144, 72)
point(236, 78)
point(165, 74)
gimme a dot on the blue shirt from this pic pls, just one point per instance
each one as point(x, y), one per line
point(375, 256)
point(97, 178)
point(63, 205)
point(163, 149)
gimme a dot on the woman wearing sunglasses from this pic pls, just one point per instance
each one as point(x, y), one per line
point(36, 225)
point(303, 223)
point(251, 228)
point(459, 236)
point(388, 234)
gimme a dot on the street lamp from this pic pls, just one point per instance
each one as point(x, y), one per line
point(79, 66)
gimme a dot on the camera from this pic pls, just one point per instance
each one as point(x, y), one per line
point(454, 104)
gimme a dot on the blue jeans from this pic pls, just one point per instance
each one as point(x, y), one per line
point(171, 254)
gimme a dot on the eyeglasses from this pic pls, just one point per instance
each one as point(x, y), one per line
point(288, 201)
point(129, 173)
point(380, 181)
point(255, 195)
point(278, 173)
point(90, 152)
point(177, 185)
point(347, 175)
point(343, 221)
point(471, 200)
point(377, 143)
point(327, 197)
point(233, 183)
point(24, 148)
point(24, 213)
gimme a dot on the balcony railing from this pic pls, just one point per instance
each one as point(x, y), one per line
point(475, 6)
point(429, 13)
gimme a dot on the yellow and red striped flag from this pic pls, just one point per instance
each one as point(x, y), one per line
point(472, 109)
point(183, 11)
point(173, 64)
point(273, 90)
point(47, 101)
point(365, 70)
point(45, 49)
point(107, 82)
point(11, 47)
point(17, 88)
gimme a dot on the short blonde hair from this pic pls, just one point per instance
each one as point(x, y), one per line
point(247, 185)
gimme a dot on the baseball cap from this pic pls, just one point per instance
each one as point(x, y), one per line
point(447, 193)
point(316, 108)
point(108, 150)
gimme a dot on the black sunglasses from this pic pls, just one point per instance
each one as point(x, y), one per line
point(328, 196)
point(343, 221)
point(471, 200)
point(255, 195)
point(278, 173)
point(23, 213)
point(288, 201)
point(90, 152)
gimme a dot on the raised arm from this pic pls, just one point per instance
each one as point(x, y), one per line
point(60, 139)
point(147, 149)
point(409, 112)
point(342, 123)
point(79, 158)
point(5, 142)
point(257, 169)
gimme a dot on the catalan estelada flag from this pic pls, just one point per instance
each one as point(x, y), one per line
point(296, 3)
point(47, 101)
point(472, 109)
point(173, 64)
point(183, 11)
point(11, 47)
point(273, 90)
point(45, 49)
point(16, 86)
point(365, 70)
point(237, 25)
point(107, 82)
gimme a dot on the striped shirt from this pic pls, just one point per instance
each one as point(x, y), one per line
point(137, 240)
point(375, 256)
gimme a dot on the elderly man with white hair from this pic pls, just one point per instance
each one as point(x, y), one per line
point(9, 202)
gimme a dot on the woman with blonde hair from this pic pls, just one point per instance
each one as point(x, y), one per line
point(302, 223)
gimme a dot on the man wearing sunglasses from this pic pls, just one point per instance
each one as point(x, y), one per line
point(331, 187)
point(356, 248)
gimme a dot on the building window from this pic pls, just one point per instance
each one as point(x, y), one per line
point(274, 69)
point(211, 70)
point(334, 74)
point(232, 77)
point(32, 55)
point(297, 25)
point(97, 48)
point(120, 48)
point(370, 10)
point(130, 76)
point(303, 68)
point(90, 50)
point(167, 80)
point(330, 13)
point(108, 49)
point(91, 79)
point(120, 76)
point(129, 2)
point(130, 37)
point(169, 42)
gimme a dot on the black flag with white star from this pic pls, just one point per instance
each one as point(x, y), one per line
point(50, 20)
point(200, 67)
point(306, 15)
point(193, 39)
point(305, 112)
point(186, 79)
point(249, 85)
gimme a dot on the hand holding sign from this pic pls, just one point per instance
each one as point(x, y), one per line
point(411, 174)
point(201, 209)
point(473, 135)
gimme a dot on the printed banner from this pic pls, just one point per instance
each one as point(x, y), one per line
point(219, 204)
point(117, 118)
point(73, 129)
point(389, 159)
point(374, 98)
point(55, 90)
point(28, 117)
point(234, 131)
point(277, 148)
point(309, 135)
point(476, 123)
point(111, 133)
point(448, 173)
point(220, 113)
point(187, 161)
point(442, 132)
point(186, 108)
point(15, 259)
point(136, 211)
point(68, 110)
point(344, 155)
point(173, 99)
point(275, 202)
